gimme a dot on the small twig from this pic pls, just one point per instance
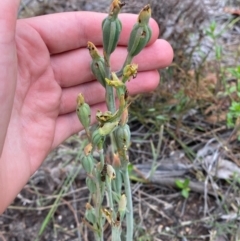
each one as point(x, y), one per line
point(73, 210)
point(110, 99)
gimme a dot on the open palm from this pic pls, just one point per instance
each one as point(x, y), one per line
point(52, 67)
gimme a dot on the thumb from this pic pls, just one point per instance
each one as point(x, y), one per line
point(8, 63)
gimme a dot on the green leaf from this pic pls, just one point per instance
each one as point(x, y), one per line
point(213, 26)
point(186, 183)
point(218, 52)
point(161, 117)
point(179, 184)
point(130, 168)
point(151, 109)
point(185, 193)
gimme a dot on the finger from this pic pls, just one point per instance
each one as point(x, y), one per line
point(68, 124)
point(94, 93)
point(73, 68)
point(67, 31)
point(8, 61)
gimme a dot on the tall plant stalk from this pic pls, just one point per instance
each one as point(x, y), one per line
point(111, 178)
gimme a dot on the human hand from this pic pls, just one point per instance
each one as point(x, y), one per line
point(44, 64)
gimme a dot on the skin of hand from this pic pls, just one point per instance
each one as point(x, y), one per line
point(44, 64)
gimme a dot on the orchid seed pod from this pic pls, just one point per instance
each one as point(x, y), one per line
point(122, 136)
point(83, 111)
point(141, 32)
point(88, 163)
point(97, 64)
point(97, 138)
point(111, 27)
point(99, 134)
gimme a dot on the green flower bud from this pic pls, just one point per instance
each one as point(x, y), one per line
point(111, 27)
point(83, 111)
point(141, 32)
point(97, 64)
point(97, 138)
point(122, 136)
point(111, 32)
point(88, 163)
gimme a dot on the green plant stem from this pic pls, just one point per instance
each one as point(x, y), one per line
point(99, 198)
point(99, 234)
point(156, 152)
point(101, 153)
point(109, 191)
point(117, 183)
point(129, 213)
point(116, 234)
point(110, 99)
point(128, 60)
